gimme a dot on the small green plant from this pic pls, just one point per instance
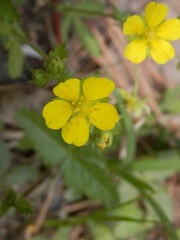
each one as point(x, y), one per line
point(86, 156)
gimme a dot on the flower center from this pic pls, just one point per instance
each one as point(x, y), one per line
point(148, 35)
point(80, 107)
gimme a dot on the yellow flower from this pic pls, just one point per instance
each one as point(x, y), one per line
point(151, 34)
point(79, 105)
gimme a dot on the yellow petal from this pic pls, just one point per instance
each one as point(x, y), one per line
point(76, 131)
point(68, 90)
point(97, 88)
point(133, 25)
point(57, 113)
point(136, 51)
point(161, 51)
point(170, 29)
point(103, 116)
point(155, 13)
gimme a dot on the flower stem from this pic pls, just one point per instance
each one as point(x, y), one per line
point(136, 84)
point(26, 40)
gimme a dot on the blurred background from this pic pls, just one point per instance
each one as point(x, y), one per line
point(95, 45)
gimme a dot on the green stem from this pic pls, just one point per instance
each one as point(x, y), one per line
point(69, 9)
point(136, 84)
point(82, 219)
point(26, 40)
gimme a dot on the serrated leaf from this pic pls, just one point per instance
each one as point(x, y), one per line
point(47, 142)
point(78, 173)
point(5, 157)
point(87, 39)
point(90, 178)
point(15, 58)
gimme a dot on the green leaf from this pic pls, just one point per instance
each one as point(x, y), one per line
point(119, 16)
point(15, 58)
point(62, 233)
point(5, 28)
point(40, 77)
point(166, 202)
point(165, 221)
point(11, 199)
point(156, 163)
point(65, 26)
point(87, 39)
point(101, 231)
point(4, 155)
point(78, 173)
point(93, 6)
point(38, 238)
point(20, 174)
point(127, 229)
point(128, 125)
point(171, 100)
point(22, 205)
point(90, 178)
point(134, 180)
point(25, 143)
point(83, 9)
point(47, 142)
point(8, 12)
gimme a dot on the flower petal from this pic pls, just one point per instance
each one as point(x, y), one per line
point(57, 113)
point(155, 13)
point(103, 116)
point(76, 131)
point(161, 51)
point(68, 90)
point(170, 29)
point(97, 88)
point(136, 51)
point(133, 25)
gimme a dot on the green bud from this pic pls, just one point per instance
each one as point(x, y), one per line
point(54, 65)
point(40, 77)
point(104, 139)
